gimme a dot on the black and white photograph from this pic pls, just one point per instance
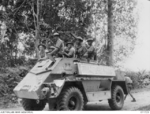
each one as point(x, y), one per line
point(74, 55)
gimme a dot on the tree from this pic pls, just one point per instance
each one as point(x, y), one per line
point(26, 16)
point(110, 33)
point(124, 19)
point(81, 17)
point(37, 29)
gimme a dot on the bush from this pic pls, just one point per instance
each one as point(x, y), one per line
point(31, 62)
point(140, 79)
point(9, 78)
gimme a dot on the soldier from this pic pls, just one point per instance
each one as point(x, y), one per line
point(42, 52)
point(59, 46)
point(129, 86)
point(90, 50)
point(79, 48)
point(70, 50)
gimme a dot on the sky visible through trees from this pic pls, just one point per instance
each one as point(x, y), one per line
point(140, 58)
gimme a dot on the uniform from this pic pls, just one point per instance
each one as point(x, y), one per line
point(42, 52)
point(58, 48)
point(129, 86)
point(70, 53)
point(60, 45)
point(80, 51)
point(79, 48)
point(90, 53)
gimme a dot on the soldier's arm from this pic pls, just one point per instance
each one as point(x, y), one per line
point(57, 47)
point(42, 58)
point(70, 53)
point(55, 50)
point(84, 50)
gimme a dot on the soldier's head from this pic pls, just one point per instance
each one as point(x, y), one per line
point(90, 41)
point(69, 44)
point(79, 40)
point(56, 36)
point(41, 47)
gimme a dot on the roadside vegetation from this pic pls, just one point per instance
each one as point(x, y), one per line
point(145, 108)
point(9, 78)
point(140, 79)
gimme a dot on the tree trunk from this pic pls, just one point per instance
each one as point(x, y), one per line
point(37, 43)
point(37, 31)
point(110, 33)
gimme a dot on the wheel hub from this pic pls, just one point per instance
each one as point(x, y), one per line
point(118, 98)
point(72, 103)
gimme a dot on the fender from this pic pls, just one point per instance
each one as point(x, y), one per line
point(122, 84)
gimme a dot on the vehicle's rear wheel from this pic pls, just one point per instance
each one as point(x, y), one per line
point(31, 104)
point(71, 99)
point(117, 98)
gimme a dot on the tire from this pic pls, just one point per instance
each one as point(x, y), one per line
point(52, 104)
point(117, 98)
point(30, 104)
point(85, 105)
point(71, 99)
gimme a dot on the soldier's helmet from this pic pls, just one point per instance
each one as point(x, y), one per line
point(56, 34)
point(69, 43)
point(90, 40)
point(79, 38)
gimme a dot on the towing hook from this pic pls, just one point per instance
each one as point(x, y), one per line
point(45, 91)
point(37, 101)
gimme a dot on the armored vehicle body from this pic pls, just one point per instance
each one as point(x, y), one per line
point(68, 84)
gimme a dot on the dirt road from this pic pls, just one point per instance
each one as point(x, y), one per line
point(142, 97)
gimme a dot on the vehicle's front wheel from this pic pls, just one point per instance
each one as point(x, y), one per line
point(71, 99)
point(33, 105)
point(117, 98)
point(52, 104)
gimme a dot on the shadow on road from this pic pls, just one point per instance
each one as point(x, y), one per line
point(97, 107)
